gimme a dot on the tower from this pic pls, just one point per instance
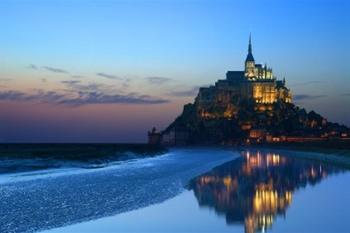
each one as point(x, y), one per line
point(249, 61)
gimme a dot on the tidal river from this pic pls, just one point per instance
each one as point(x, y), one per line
point(185, 190)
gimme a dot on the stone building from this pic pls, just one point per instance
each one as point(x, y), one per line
point(154, 137)
point(256, 82)
point(241, 106)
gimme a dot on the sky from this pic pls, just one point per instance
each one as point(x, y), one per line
point(108, 71)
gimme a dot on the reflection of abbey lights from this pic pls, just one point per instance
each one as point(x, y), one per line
point(257, 189)
point(257, 222)
point(230, 183)
point(258, 160)
point(266, 204)
point(269, 201)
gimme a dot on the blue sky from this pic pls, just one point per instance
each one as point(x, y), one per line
point(183, 43)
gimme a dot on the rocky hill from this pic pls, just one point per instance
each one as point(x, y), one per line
point(252, 123)
point(248, 106)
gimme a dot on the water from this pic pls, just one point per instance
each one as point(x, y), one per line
point(271, 192)
point(32, 202)
point(197, 190)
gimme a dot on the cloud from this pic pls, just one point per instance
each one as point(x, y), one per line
point(110, 76)
point(101, 98)
point(185, 93)
point(79, 98)
point(346, 94)
point(77, 76)
point(307, 97)
point(32, 66)
point(125, 84)
point(39, 95)
point(47, 97)
point(158, 80)
point(97, 93)
point(76, 86)
point(70, 82)
point(11, 95)
point(55, 70)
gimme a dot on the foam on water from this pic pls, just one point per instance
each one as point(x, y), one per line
point(70, 170)
point(36, 201)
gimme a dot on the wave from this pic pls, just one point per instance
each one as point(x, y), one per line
point(59, 199)
point(16, 158)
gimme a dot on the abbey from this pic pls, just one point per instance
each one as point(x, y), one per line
point(256, 82)
point(248, 106)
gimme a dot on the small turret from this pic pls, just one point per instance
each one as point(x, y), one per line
point(154, 137)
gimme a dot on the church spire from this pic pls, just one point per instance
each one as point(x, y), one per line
point(250, 53)
point(250, 43)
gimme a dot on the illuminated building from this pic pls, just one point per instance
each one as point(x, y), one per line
point(248, 107)
point(255, 82)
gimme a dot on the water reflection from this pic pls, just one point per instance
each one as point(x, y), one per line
point(257, 188)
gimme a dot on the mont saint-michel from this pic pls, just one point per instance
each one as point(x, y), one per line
point(248, 106)
point(176, 116)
